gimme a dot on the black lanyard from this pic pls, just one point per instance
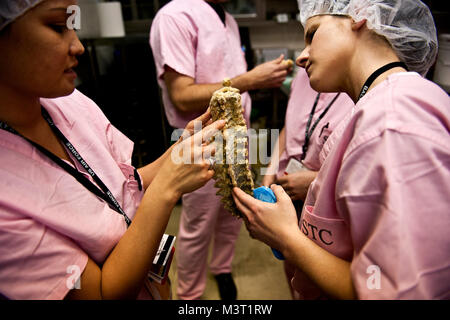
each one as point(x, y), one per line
point(377, 73)
point(309, 132)
point(106, 195)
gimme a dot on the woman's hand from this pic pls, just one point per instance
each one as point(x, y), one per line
point(270, 74)
point(204, 119)
point(276, 225)
point(188, 167)
point(270, 223)
point(149, 171)
point(296, 184)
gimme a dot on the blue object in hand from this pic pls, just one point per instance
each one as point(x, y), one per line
point(266, 194)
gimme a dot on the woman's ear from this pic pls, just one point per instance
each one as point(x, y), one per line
point(358, 25)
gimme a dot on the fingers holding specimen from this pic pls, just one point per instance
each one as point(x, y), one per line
point(212, 129)
point(205, 118)
point(238, 196)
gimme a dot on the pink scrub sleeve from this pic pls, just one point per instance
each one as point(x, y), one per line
point(394, 205)
point(174, 41)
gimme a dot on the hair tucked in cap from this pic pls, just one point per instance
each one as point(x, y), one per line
point(10, 10)
point(407, 24)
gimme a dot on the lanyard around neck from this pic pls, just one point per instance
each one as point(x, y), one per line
point(309, 131)
point(377, 73)
point(106, 195)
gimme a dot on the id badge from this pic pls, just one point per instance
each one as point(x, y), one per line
point(294, 166)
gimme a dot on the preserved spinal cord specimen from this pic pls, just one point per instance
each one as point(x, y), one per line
point(231, 166)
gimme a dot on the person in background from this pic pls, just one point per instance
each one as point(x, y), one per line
point(196, 44)
point(311, 118)
point(77, 220)
point(375, 220)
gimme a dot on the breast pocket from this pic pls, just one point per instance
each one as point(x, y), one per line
point(332, 235)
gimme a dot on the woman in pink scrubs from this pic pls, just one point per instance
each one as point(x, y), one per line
point(311, 118)
point(375, 221)
point(77, 220)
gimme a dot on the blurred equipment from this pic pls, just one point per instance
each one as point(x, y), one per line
point(442, 68)
point(110, 19)
point(101, 19)
point(90, 27)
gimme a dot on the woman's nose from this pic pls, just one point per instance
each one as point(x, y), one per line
point(302, 59)
point(76, 47)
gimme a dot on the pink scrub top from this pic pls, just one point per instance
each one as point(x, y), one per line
point(382, 197)
point(300, 104)
point(195, 43)
point(49, 223)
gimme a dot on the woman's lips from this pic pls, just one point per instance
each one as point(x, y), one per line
point(70, 72)
point(308, 67)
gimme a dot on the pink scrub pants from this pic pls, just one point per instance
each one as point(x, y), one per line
point(203, 217)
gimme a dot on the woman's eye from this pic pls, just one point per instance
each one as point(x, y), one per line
point(311, 35)
point(58, 28)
